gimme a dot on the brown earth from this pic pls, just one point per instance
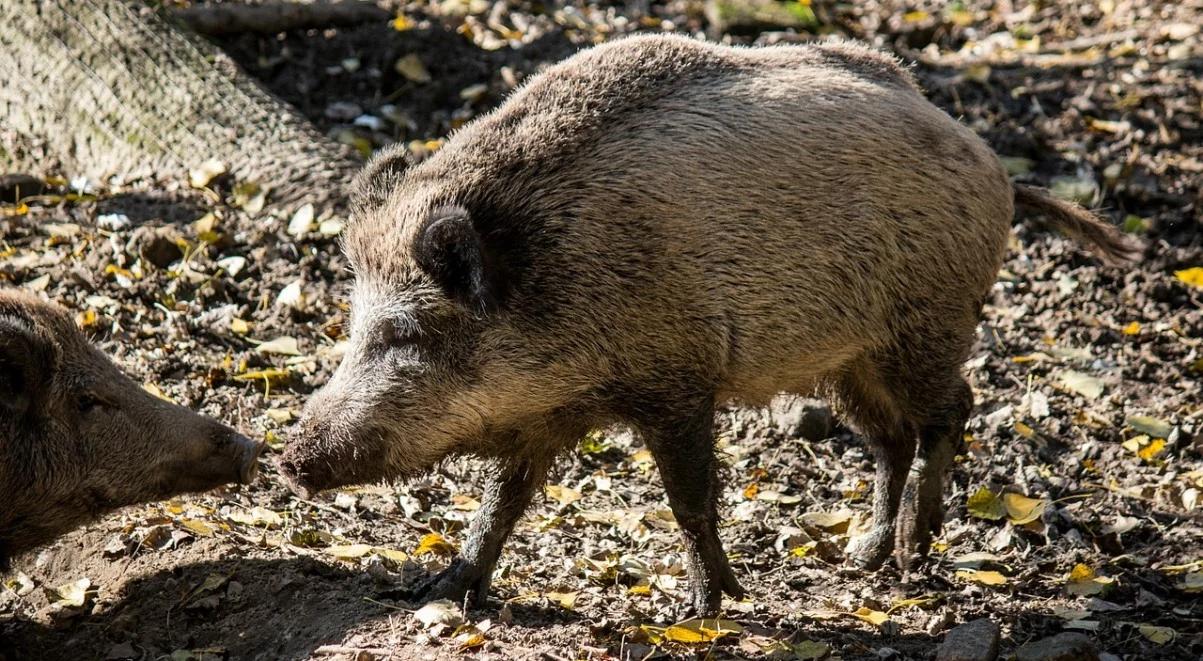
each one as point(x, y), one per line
point(1074, 361)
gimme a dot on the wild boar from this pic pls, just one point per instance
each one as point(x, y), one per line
point(78, 438)
point(653, 228)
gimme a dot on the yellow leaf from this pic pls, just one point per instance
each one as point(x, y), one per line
point(983, 577)
point(1083, 581)
point(412, 68)
point(1192, 276)
point(391, 554)
point(643, 589)
point(154, 390)
point(876, 618)
point(985, 504)
point(562, 494)
point(832, 522)
point(239, 326)
point(464, 502)
point(1150, 451)
point(917, 16)
point(434, 543)
point(74, 594)
point(469, 639)
point(1143, 447)
point(1132, 328)
point(1158, 635)
point(20, 209)
point(1021, 509)
point(751, 490)
point(700, 630)
point(803, 550)
point(919, 602)
point(198, 527)
point(257, 516)
point(566, 600)
point(1024, 430)
point(402, 23)
point(349, 551)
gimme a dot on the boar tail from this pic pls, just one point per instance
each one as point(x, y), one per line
point(1109, 243)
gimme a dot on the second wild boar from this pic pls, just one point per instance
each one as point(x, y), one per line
point(78, 438)
point(648, 230)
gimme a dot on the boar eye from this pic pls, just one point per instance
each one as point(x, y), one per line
point(400, 334)
point(87, 403)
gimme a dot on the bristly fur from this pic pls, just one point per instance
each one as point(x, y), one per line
point(674, 225)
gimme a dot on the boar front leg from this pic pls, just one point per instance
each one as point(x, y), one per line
point(506, 497)
point(683, 447)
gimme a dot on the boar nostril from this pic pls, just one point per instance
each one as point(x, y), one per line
point(249, 458)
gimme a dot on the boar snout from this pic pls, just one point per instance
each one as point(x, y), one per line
point(320, 458)
point(220, 457)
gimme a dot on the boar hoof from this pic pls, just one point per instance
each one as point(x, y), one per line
point(458, 580)
point(870, 551)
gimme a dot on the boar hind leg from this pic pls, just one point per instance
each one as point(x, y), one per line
point(683, 447)
point(891, 439)
point(923, 501)
point(505, 499)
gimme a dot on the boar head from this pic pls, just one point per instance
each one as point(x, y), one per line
point(78, 438)
point(447, 353)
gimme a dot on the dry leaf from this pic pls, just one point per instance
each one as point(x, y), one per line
point(566, 600)
point(71, 595)
point(876, 618)
point(832, 522)
point(983, 577)
point(700, 630)
point(1158, 635)
point(985, 504)
point(434, 543)
point(349, 551)
point(1021, 509)
point(443, 611)
point(565, 496)
point(257, 516)
point(1192, 276)
point(198, 527)
point(1083, 581)
point(1088, 386)
point(1146, 424)
point(284, 346)
point(412, 68)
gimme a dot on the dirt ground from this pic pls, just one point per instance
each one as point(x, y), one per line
point(1075, 506)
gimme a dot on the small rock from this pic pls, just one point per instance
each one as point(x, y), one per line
point(972, 641)
point(157, 245)
point(122, 651)
point(1061, 647)
point(343, 111)
point(801, 418)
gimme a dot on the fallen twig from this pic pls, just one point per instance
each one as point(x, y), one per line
point(279, 16)
point(344, 649)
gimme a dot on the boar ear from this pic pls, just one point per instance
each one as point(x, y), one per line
point(22, 376)
point(450, 250)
